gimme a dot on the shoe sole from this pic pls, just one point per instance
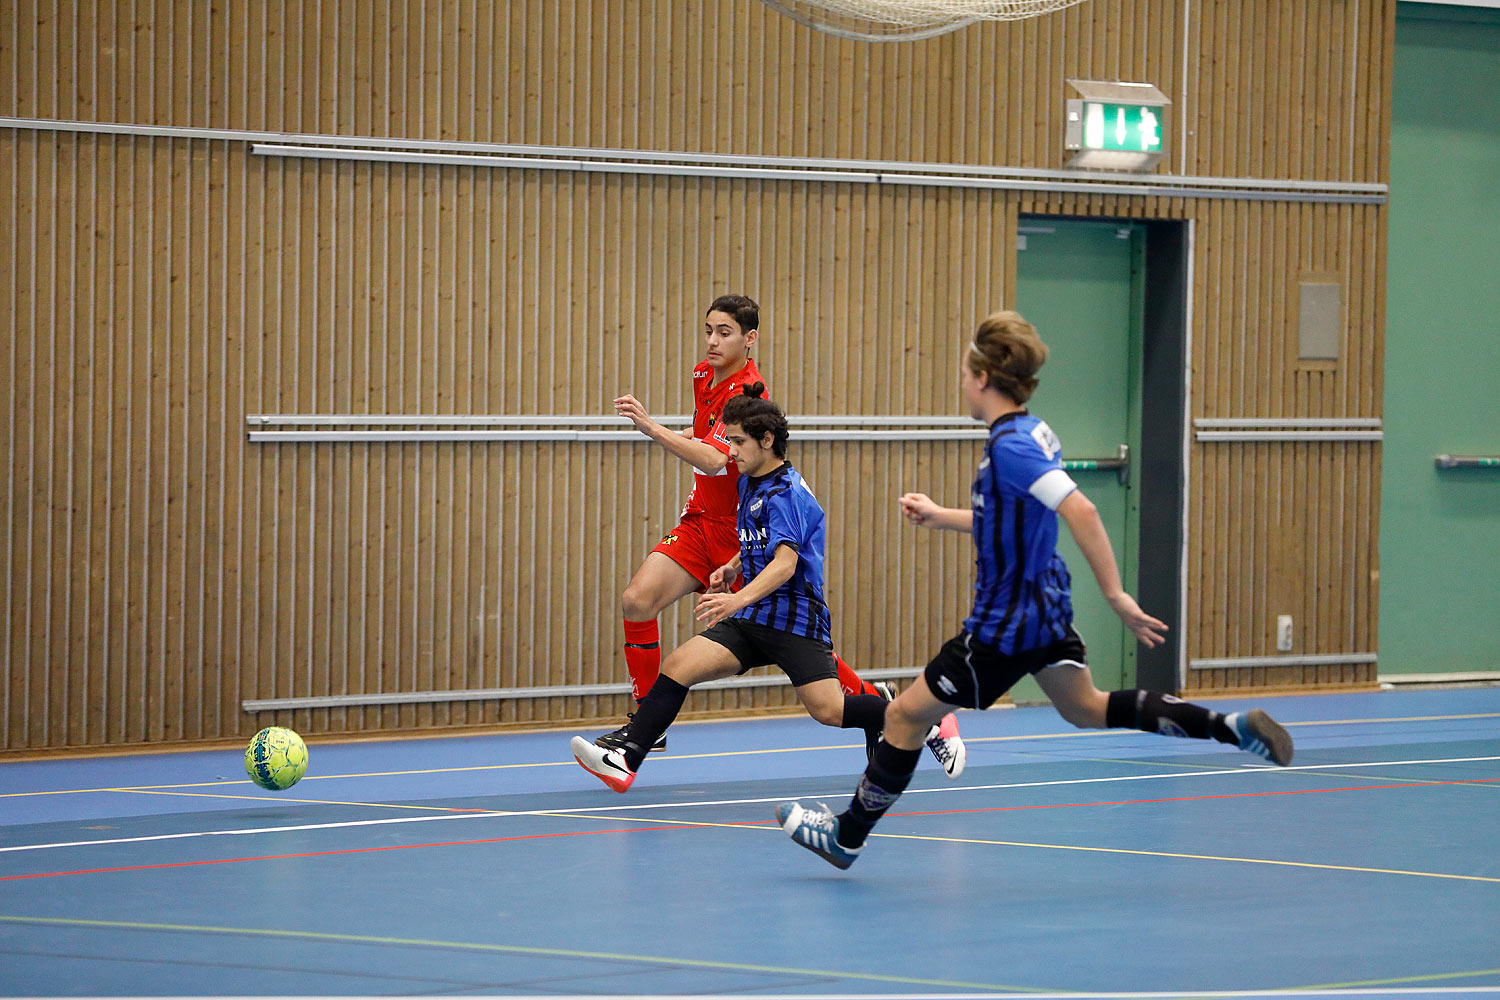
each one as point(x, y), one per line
point(1271, 733)
point(611, 780)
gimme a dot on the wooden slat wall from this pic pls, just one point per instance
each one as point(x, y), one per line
point(153, 291)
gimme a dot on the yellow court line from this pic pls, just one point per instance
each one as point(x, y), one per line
point(1341, 775)
point(655, 820)
point(1403, 980)
point(1074, 734)
point(1398, 718)
point(1191, 857)
point(508, 949)
point(263, 799)
point(1054, 847)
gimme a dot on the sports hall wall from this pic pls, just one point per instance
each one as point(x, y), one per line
point(159, 285)
point(1440, 528)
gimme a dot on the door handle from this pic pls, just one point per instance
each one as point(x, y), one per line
point(1120, 464)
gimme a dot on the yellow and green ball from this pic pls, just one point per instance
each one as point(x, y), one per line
point(276, 758)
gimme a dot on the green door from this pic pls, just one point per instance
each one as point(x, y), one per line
point(1078, 286)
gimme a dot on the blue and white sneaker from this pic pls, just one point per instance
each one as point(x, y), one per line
point(818, 831)
point(1260, 734)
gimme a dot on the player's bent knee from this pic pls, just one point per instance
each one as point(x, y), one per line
point(1087, 713)
point(828, 714)
point(637, 605)
point(903, 725)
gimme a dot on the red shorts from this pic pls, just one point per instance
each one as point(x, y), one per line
point(701, 545)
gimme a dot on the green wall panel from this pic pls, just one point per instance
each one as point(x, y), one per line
point(1440, 530)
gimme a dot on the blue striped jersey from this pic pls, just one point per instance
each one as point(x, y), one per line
point(1022, 598)
point(779, 509)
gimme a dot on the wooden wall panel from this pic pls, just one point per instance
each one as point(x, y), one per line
point(154, 290)
point(1275, 88)
point(258, 571)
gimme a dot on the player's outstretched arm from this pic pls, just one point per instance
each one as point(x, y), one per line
point(703, 457)
point(1083, 522)
point(921, 509)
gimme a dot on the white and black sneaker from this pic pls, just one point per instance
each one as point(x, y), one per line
point(818, 831)
point(616, 739)
point(886, 691)
point(608, 765)
point(947, 746)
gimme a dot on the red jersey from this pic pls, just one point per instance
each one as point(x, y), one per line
point(716, 494)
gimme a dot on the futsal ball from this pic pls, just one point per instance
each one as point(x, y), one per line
point(276, 758)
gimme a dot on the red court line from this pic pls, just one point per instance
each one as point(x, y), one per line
point(1199, 798)
point(687, 826)
point(321, 854)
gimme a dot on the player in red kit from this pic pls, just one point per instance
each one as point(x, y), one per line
point(705, 537)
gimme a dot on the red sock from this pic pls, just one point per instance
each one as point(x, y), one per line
point(849, 680)
point(642, 655)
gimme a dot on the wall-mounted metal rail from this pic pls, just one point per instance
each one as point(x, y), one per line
point(1304, 660)
point(1287, 429)
point(917, 175)
point(677, 163)
point(776, 679)
point(560, 427)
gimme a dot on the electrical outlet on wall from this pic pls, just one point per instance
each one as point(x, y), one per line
point(1284, 633)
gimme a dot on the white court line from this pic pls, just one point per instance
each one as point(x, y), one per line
point(1185, 994)
point(723, 802)
point(1290, 992)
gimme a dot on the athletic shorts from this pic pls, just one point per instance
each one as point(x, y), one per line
point(701, 545)
point(968, 673)
point(802, 659)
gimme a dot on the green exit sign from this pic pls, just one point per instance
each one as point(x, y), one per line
point(1121, 126)
point(1115, 125)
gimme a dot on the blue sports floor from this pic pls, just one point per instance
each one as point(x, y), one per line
point(1063, 861)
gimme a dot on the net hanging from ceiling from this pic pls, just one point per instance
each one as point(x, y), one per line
point(907, 20)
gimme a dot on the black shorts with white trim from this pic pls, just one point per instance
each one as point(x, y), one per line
point(968, 673)
point(803, 660)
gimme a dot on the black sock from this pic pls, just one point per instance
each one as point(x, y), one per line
point(653, 714)
point(1161, 713)
point(880, 786)
point(864, 711)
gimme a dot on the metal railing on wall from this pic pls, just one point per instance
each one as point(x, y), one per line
point(268, 428)
point(1287, 429)
point(1295, 660)
point(775, 679)
point(674, 163)
point(574, 427)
